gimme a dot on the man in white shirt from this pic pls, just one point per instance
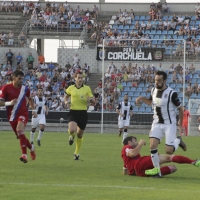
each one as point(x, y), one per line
point(165, 7)
point(44, 67)
point(63, 74)
point(48, 23)
point(54, 6)
point(197, 8)
point(4, 5)
point(3, 73)
point(76, 59)
point(180, 19)
point(54, 23)
point(128, 19)
point(46, 84)
point(66, 5)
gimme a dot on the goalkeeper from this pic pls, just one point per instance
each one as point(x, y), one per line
point(77, 117)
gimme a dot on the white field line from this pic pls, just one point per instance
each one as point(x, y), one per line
point(98, 186)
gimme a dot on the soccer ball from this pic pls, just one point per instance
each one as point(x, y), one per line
point(61, 119)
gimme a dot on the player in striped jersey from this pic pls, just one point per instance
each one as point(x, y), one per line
point(165, 103)
point(14, 96)
point(124, 110)
point(42, 110)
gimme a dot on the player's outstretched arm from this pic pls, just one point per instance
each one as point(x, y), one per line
point(8, 103)
point(144, 100)
point(134, 152)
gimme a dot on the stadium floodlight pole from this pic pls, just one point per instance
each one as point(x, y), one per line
point(184, 68)
point(103, 57)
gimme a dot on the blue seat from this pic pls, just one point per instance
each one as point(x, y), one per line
point(129, 84)
point(139, 89)
point(133, 89)
point(133, 99)
point(126, 27)
point(123, 93)
point(136, 94)
point(194, 80)
point(195, 105)
point(135, 109)
point(148, 110)
point(126, 89)
point(193, 96)
point(142, 18)
point(143, 94)
point(130, 94)
point(123, 84)
point(180, 95)
point(141, 85)
point(179, 85)
point(141, 110)
point(195, 76)
point(137, 18)
point(121, 99)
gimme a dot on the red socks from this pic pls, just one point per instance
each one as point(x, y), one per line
point(165, 170)
point(181, 160)
point(24, 142)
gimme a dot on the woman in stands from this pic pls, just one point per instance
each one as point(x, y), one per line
point(22, 38)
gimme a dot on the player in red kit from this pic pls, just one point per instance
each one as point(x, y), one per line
point(135, 164)
point(186, 115)
point(14, 96)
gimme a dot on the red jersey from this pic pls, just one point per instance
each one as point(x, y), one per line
point(186, 114)
point(129, 162)
point(8, 93)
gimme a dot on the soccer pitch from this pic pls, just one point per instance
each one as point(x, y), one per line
point(54, 175)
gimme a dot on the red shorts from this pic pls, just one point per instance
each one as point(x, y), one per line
point(14, 123)
point(143, 164)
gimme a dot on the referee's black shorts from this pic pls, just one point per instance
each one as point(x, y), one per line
point(78, 116)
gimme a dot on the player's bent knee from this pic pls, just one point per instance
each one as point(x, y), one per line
point(173, 168)
point(169, 151)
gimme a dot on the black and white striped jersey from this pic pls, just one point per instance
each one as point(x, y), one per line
point(124, 108)
point(40, 102)
point(164, 104)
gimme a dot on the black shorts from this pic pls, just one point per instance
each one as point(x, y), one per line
point(78, 116)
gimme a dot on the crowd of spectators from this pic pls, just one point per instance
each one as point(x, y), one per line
point(52, 77)
point(142, 31)
point(141, 75)
point(61, 16)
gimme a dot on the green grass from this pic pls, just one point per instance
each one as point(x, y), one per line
point(54, 175)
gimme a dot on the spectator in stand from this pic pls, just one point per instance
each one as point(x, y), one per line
point(76, 59)
point(19, 58)
point(41, 59)
point(63, 74)
point(3, 72)
point(30, 59)
point(25, 9)
point(38, 73)
point(9, 56)
point(165, 7)
point(192, 68)
point(3, 38)
point(55, 88)
point(22, 39)
point(51, 66)
point(67, 66)
point(44, 67)
point(10, 38)
point(187, 78)
point(42, 78)
point(4, 6)
point(37, 6)
point(187, 19)
point(97, 106)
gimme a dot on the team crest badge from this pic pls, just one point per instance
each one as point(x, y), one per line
point(102, 54)
point(166, 95)
point(158, 55)
point(82, 96)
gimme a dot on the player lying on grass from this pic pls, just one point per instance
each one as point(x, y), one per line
point(135, 164)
